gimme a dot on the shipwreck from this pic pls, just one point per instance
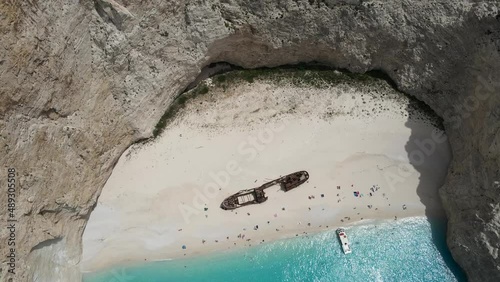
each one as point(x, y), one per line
point(258, 196)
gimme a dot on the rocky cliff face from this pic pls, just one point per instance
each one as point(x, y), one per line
point(80, 81)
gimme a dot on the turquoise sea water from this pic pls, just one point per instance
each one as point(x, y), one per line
point(404, 250)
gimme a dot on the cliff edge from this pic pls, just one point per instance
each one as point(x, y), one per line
point(81, 81)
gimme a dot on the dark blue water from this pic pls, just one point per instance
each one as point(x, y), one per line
point(403, 250)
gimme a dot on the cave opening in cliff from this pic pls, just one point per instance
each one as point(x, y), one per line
point(372, 153)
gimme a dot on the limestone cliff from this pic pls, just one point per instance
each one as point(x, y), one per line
point(82, 80)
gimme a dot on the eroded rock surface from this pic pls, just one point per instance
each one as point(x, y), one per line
point(82, 80)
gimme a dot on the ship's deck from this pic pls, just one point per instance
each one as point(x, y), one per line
point(344, 242)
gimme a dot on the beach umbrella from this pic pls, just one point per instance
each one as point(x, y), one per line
point(183, 247)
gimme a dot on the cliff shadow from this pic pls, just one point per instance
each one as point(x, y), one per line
point(430, 154)
point(427, 149)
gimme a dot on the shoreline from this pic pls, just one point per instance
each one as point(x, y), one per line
point(219, 251)
point(166, 194)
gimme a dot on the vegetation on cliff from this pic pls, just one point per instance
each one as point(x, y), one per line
point(298, 76)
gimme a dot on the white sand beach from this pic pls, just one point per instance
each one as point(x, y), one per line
point(166, 194)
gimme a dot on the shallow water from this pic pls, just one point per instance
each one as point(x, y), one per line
point(402, 250)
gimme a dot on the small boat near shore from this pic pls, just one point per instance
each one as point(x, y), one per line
point(258, 196)
point(344, 241)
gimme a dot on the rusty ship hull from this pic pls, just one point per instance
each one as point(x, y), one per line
point(258, 196)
